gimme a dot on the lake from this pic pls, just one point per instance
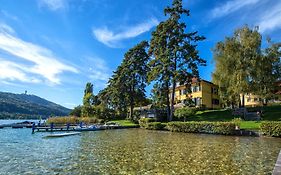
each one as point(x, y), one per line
point(135, 151)
point(2, 122)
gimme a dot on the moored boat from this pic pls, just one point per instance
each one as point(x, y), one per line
point(62, 134)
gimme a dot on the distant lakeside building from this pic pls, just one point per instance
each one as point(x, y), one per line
point(252, 100)
point(203, 94)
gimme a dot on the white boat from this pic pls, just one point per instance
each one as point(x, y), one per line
point(63, 134)
point(87, 128)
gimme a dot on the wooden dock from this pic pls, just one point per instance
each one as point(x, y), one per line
point(277, 167)
point(53, 129)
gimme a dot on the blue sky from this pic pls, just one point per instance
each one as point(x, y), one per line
point(51, 48)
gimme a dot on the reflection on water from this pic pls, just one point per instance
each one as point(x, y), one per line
point(135, 151)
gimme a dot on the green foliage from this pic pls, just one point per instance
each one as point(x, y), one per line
point(185, 112)
point(149, 123)
point(25, 106)
point(86, 110)
point(76, 111)
point(226, 128)
point(144, 121)
point(271, 128)
point(242, 66)
point(126, 87)
point(175, 54)
point(154, 126)
point(237, 121)
point(124, 122)
point(102, 112)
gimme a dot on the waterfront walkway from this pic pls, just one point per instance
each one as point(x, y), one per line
point(277, 168)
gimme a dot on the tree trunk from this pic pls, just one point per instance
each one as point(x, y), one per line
point(243, 100)
point(131, 104)
point(173, 88)
point(172, 101)
point(167, 101)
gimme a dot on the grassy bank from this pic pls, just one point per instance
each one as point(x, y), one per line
point(271, 113)
point(124, 122)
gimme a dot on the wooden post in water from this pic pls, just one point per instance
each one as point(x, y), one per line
point(67, 126)
point(52, 127)
point(33, 128)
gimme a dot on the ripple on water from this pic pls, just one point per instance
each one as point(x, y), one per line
point(135, 151)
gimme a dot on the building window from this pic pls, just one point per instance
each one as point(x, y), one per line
point(180, 92)
point(248, 99)
point(197, 101)
point(195, 88)
point(215, 102)
point(214, 90)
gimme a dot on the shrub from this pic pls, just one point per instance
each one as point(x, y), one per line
point(63, 120)
point(271, 128)
point(185, 112)
point(237, 121)
point(76, 111)
point(73, 120)
point(226, 128)
point(155, 126)
point(143, 122)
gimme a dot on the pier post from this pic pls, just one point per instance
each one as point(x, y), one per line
point(67, 126)
point(52, 127)
point(33, 128)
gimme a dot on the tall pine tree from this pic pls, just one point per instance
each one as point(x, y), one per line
point(174, 52)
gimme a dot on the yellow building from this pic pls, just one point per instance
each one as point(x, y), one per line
point(203, 94)
point(255, 100)
point(251, 100)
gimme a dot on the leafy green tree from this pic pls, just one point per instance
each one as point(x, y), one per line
point(267, 72)
point(242, 66)
point(135, 70)
point(185, 112)
point(76, 111)
point(87, 101)
point(174, 52)
point(126, 87)
point(159, 97)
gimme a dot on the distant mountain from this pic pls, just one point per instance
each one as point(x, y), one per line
point(24, 106)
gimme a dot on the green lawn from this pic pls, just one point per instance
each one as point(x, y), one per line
point(271, 113)
point(124, 122)
point(252, 125)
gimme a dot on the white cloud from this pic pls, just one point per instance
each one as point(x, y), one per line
point(12, 71)
point(6, 29)
point(112, 39)
point(41, 61)
point(271, 19)
point(99, 72)
point(8, 15)
point(54, 4)
point(230, 7)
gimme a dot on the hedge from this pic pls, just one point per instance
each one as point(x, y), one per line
point(144, 121)
point(155, 126)
point(271, 128)
point(226, 128)
point(149, 123)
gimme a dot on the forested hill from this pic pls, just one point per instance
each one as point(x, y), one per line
point(24, 106)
